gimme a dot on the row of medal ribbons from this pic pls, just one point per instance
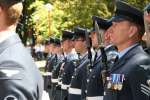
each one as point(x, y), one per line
point(115, 81)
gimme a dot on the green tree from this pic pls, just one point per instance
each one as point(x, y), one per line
point(65, 15)
point(140, 4)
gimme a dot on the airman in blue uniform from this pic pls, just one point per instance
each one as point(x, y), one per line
point(77, 90)
point(95, 89)
point(55, 71)
point(70, 62)
point(20, 78)
point(47, 78)
point(50, 63)
point(128, 74)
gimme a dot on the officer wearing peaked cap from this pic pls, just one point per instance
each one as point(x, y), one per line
point(95, 90)
point(46, 68)
point(50, 63)
point(48, 60)
point(50, 53)
point(67, 43)
point(55, 71)
point(19, 77)
point(127, 74)
point(70, 62)
point(67, 47)
point(77, 90)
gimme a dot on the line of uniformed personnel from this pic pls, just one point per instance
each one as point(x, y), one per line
point(105, 63)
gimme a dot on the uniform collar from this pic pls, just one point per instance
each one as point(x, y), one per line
point(123, 52)
point(83, 55)
point(136, 49)
point(4, 35)
point(72, 55)
point(9, 42)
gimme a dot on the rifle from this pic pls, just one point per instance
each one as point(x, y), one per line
point(88, 42)
point(100, 39)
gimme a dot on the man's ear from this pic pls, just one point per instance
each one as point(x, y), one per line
point(132, 31)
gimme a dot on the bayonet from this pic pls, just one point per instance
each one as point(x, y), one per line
point(100, 35)
point(87, 39)
point(100, 38)
point(88, 44)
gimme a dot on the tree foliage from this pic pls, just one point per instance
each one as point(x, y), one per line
point(65, 15)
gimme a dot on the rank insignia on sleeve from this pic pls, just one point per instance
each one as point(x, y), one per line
point(145, 89)
point(10, 97)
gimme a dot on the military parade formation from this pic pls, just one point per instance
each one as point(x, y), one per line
point(111, 61)
point(108, 62)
